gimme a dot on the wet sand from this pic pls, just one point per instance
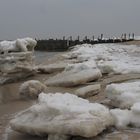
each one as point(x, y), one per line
point(13, 104)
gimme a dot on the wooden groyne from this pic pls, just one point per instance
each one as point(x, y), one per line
point(64, 44)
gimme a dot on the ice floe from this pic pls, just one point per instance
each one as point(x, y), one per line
point(19, 45)
point(110, 58)
point(63, 114)
point(16, 59)
point(124, 118)
point(124, 95)
point(88, 91)
point(31, 89)
point(76, 74)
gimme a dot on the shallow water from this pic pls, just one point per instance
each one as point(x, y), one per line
point(40, 56)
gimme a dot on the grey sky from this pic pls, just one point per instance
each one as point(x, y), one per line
point(57, 18)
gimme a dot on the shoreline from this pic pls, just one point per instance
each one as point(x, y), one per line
point(17, 104)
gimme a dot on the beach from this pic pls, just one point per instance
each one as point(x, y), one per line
point(11, 102)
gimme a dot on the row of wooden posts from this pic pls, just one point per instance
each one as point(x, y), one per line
point(65, 43)
point(101, 37)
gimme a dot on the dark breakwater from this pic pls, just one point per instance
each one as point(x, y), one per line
point(65, 44)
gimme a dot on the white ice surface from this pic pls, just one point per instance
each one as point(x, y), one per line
point(124, 118)
point(121, 118)
point(77, 67)
point(124, 95)
point(63, 114)
point(31, 89)
point(110, 58)
point(19, 45)
point(76, 74)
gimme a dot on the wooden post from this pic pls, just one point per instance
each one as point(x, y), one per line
point(122, 36)
point(101, 36)
point(98, 38)
point(93, 37)
point(133, 36)
point(68, 41)
point(129, 36)
point(70, 38)
point(78, 38)
point(63, 37)
point(125, 36)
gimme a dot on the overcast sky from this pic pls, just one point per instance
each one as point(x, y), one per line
point(56, 18)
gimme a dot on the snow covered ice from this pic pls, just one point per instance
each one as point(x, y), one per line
point(19, 45)
point(124, 95)
point(110, 58)
point(76, 74)
point(124, 118)
point(31, 89)
point(63, 114)
point(91, 61)
point(16, 59)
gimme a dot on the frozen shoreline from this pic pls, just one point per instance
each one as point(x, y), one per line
point(24, 104)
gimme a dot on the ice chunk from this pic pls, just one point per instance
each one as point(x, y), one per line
point(19, 45)
point(68, 79)
point(63, 114)
point(31, 89)
point(121, 117)
point(124, 118)
point(124, 95)
point(16, 59)
point(135, 117)
point(76, 74)
point(110, 58)
point(88, 91)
